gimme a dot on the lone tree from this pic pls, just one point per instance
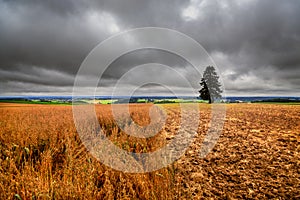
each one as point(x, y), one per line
point(210, 85)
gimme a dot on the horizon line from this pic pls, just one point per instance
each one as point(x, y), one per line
point(20, 96)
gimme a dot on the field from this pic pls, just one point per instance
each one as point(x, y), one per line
point(257, 155)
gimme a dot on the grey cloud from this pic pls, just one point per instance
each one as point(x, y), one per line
point(34, 33)
point(139, 57)
point(37, 75)
point(256, 44)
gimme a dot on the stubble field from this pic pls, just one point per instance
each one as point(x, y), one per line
point(257, 155)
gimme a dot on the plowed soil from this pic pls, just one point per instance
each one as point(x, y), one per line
point(257, 156)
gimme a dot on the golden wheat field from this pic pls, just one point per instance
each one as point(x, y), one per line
point(257, 155)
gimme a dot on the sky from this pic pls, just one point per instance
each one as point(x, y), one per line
point(255, 45)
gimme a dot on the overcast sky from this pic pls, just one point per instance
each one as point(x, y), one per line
point(254, 43)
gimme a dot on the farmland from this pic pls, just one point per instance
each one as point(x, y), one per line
point(257, 155)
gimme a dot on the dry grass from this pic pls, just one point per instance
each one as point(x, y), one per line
point(42, 157)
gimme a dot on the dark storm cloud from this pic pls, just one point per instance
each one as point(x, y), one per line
point(259, 41)
point(256, 44)
point(48, 34)
point(135, 58)
point(37, 75)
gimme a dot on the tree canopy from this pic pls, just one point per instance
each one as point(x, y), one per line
point(210, 85)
